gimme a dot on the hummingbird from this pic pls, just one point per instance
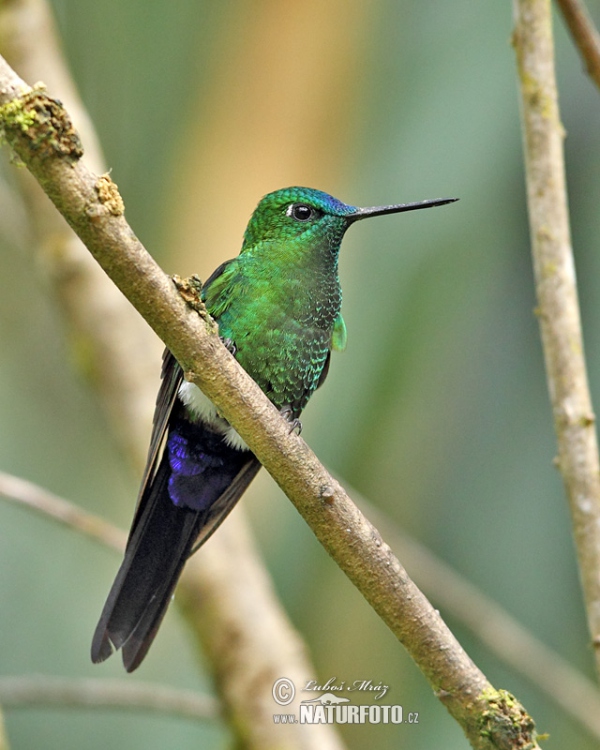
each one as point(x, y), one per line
point(278, 308)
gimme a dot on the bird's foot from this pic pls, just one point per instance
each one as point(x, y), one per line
point(295, 424)
point(229, 344)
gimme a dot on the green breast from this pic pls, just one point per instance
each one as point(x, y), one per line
point(281, 324)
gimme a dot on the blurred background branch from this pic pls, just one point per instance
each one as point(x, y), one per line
point(30, 691)
point(558, 305)
point(584, 35)
point(4, 744)
point(37, 498)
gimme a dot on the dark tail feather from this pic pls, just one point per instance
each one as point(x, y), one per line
point(162, 538)
point(156, 553)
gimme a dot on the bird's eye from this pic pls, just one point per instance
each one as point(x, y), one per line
point(302, 212)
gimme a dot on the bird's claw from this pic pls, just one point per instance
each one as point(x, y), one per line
point(295, 424)
point(229, 344)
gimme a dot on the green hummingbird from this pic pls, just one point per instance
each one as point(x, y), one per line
point(278, 307)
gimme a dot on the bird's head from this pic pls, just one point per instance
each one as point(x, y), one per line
point(307, 216)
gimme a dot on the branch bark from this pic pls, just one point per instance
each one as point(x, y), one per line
point(41, 134)
point(558, 307)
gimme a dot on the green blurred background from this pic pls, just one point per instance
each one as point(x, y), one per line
point(438, 409)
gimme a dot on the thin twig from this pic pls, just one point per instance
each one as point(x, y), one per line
point(585, 35)
point(93, 207)
point(558, 307)
point(35, 497)
point(33, 691)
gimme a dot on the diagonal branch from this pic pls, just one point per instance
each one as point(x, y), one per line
point(558, 306)
point(40, 132)
point(584, 35)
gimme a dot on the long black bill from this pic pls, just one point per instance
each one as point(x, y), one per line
point(364, 213)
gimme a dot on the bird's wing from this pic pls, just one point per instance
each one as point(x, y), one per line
point(171, 378)
point(216, 290)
